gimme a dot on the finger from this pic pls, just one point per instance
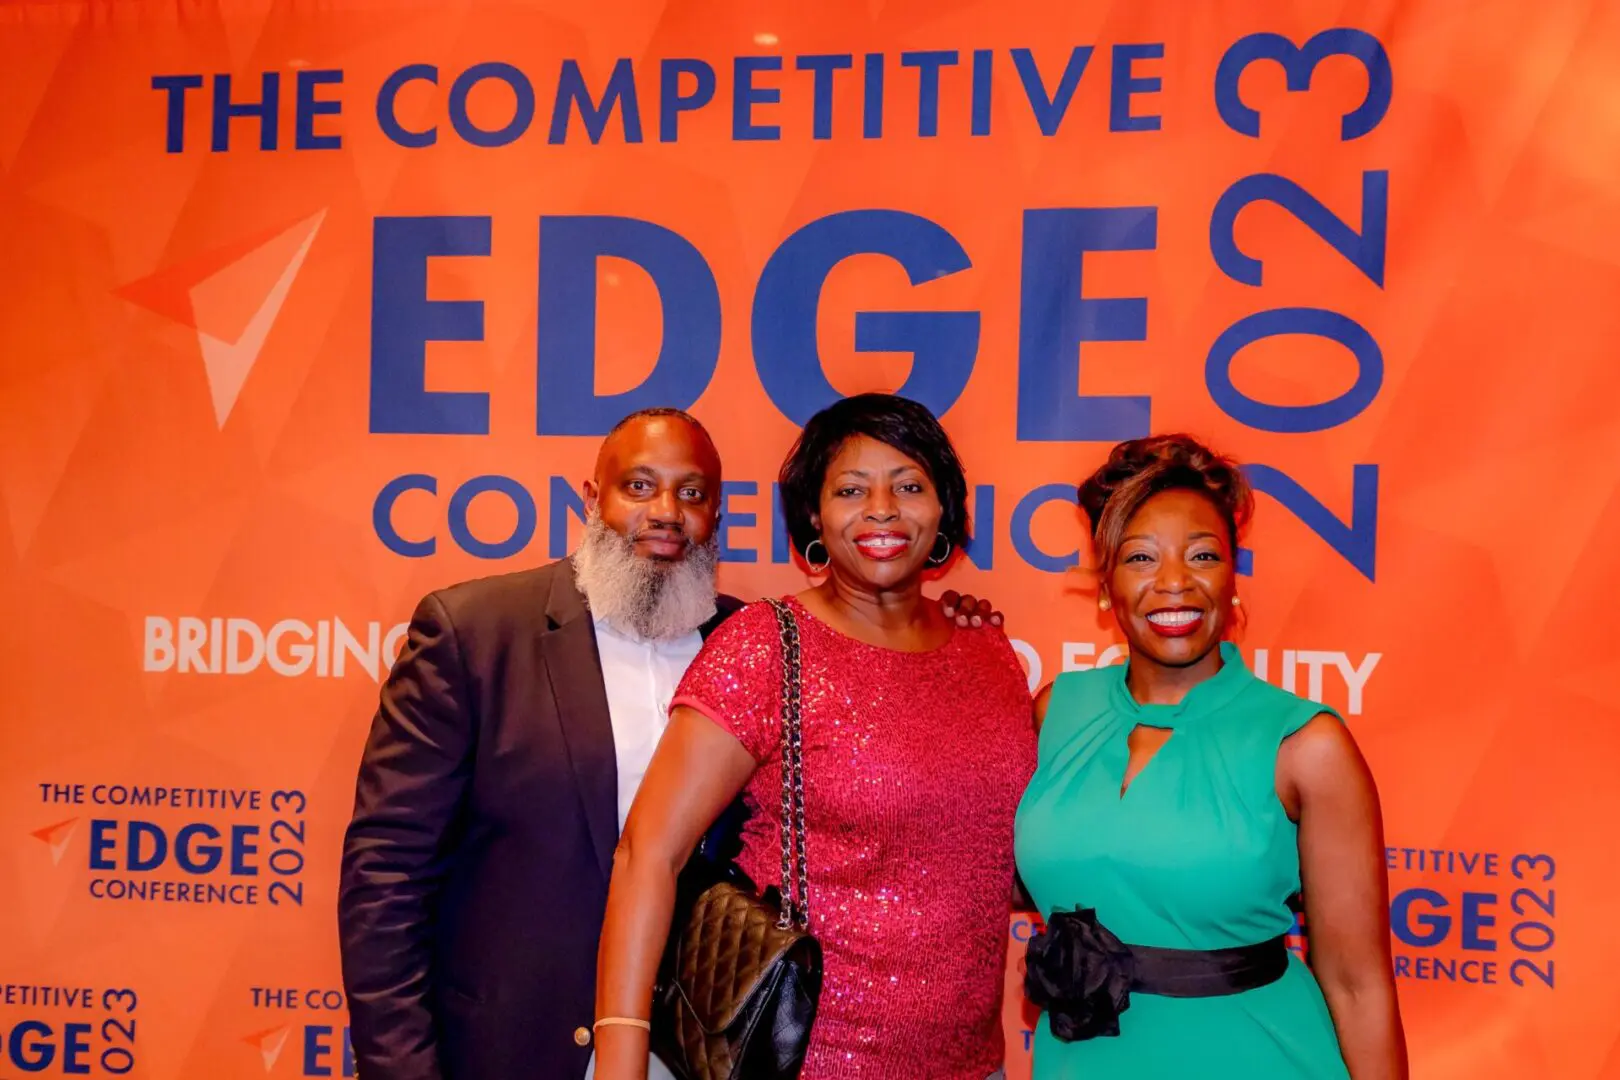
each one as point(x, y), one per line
point(951, 601)
point(995, 618)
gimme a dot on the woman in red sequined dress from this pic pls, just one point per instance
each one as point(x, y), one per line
point(918, 743)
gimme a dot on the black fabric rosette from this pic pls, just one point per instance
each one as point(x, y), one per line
point(1080, 974)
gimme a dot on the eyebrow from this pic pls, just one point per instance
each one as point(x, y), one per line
point(864, 474)
point(651, 473)
point(1190, 536)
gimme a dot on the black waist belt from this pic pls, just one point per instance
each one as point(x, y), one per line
point(1207, 972)
point(1083, 976)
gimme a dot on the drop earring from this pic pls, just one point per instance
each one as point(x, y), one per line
point(1103, 604)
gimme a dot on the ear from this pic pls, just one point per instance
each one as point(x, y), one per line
point(591, 493)
point(815, 522)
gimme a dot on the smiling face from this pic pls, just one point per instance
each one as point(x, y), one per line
point(1173, 579)
point(878, 515)
point(657, 484)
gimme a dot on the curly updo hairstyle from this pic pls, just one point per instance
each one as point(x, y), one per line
point(1139, 469)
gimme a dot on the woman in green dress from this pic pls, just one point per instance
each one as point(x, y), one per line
point(1178, 804)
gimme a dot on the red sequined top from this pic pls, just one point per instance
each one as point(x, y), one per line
point(914, 764)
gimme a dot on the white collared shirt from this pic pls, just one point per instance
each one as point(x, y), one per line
point(640, 677)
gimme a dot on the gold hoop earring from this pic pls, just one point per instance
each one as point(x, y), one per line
point(815, 567)
point(940, 560)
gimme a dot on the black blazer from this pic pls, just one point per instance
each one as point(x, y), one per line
point(475, 868)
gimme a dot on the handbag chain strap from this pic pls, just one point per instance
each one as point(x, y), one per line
point(795, 876)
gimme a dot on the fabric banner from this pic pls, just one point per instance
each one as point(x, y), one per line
point(312, 308)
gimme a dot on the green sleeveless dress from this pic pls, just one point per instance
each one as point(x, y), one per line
point(1198, 854)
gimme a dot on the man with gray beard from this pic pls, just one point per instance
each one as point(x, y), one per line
point(510, 739)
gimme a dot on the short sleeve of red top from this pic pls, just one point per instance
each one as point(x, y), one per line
point(736, 680)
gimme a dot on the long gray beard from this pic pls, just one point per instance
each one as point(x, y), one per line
point(655, 599)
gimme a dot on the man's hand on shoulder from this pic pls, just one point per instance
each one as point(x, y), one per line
point(969, 610)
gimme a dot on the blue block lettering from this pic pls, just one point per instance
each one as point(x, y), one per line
point(1049, 109)
point(522, 113)
point(1421, 931)
point(266, 109)
point(1356, 542)
point(1363, 250)
point(187, 851)
point(928, 63)
point(389, 91)
point(1300, 64)
point(943, 343)
point(671, 102)
point(176, 86)
point(103, 838)
point(1054, 319)
point(564, 501)
point(872, 112)
point(740, 519)
point(139, 832)
point(242, 850)
point(308, 107)
point(1294, 419)
point(404, 320)
point(1475, 921)
point(382, 515)
point(522, 531)
point(317, 1049)
point(980, 549)
point(1023, 539)
point(822, 88)
point(1126, 85)
point(36, 1055)
point(983, 68)
point(75, 1049)
point(572, 93)
point(745, 95)
point(781, 541)
point(566, 343)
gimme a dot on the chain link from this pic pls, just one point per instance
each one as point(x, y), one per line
point(795, 873)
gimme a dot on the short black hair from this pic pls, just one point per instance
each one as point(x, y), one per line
point(661, 410)
point(896, 421)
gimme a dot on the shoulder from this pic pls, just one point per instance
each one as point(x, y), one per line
point(739, 665)
point(490, 598)
point(1283, 713)
point(1074, 699)
point(748, 627)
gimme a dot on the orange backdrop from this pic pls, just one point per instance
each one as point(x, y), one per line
point(260, 392)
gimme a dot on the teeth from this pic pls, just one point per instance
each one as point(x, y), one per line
point(883, 542)
point(1175, 618)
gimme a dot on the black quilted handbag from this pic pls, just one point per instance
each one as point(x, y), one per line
point(741, 978)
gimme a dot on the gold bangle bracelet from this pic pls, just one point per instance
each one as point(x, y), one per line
point(626, 1021)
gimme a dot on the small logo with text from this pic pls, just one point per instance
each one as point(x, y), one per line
point(313, 1020)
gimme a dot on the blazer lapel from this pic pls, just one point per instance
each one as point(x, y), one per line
point(574, 668)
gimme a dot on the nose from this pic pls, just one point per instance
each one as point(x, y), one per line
point(665, 507)
point(881, 506)
point(1172, 577)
